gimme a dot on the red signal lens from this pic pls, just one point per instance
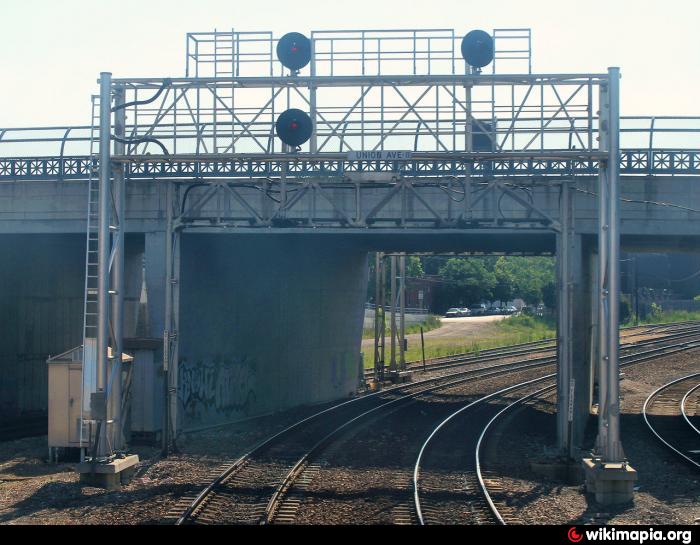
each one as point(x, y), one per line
point(294, 125)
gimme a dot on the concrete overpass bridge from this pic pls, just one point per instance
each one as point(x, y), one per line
point(253, 254)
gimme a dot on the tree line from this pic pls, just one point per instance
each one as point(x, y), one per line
point(464, 281)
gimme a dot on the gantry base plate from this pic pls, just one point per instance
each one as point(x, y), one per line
point(110, 476)
point(612, 484)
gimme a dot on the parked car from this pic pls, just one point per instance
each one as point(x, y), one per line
point(465, 311)
point(510, 310)
point(453, 313)
point(478, 310)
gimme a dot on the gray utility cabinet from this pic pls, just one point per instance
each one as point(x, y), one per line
point(65, 397)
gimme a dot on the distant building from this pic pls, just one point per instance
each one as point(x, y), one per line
point(420, 291)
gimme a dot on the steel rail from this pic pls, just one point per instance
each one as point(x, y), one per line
point(456, 360)
point(627, 360)
point(684, 401)
point(297, 470)
point(470, 374)
point(441, 425)
point(509, 367)
point(479, 475)
point(649, 401)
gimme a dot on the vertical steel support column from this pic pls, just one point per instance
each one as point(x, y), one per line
point(104, 245)
point(602, 284)
point(377, 315)
point(119, 192)
point(392, 302)
point(402, 316)
point(174, 374)
point(613, 451)
point(382, 357)
point(167, 333)
point(564, 323)
point(313, 144)
point(608, 443)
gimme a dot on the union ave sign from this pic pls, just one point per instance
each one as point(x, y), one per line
point(380, 155)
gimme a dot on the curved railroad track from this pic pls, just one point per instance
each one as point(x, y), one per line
point(255, 489)
point(451, 492)
point(251, 489)
point(685, 403)
point(458, 491)
point(666, 415)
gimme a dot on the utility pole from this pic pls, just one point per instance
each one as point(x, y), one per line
point(402, 304)
point(392, 362)
point(378, 311)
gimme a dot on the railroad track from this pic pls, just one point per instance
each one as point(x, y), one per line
point(457, 489)
point(451, 493)
point(668, 416)
point(263, 485)
point(291, 492)
point(252, 488)
point(677, 329)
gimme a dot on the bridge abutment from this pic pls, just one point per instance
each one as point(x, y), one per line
point(575, 346)
point(267, 323)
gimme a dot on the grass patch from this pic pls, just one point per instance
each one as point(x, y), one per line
point(528, 328)
point(512, 330)
point(667, 317)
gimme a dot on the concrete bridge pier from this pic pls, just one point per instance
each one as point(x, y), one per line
point(267, 322)
point(575, 362)
point(154, 263)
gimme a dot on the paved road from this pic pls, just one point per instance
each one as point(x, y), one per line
point(460, 327)
point(451, 328)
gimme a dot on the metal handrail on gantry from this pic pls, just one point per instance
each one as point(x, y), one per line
point(650, 145)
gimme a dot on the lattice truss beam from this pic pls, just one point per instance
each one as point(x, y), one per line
point(369, 113)
point(394, 202)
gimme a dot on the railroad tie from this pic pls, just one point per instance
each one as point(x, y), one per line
point(287, 511)
point(403, 514)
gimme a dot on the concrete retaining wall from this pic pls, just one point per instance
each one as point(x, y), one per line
point(41, 309)
point(267, 323)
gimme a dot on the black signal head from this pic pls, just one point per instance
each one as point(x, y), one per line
point(477, 48)
point(294, 50)
point(294, 127)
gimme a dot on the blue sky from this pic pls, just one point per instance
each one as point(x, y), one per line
point(52, 51)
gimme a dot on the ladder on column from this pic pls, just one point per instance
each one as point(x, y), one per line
point(91, 255)
point(91, 268)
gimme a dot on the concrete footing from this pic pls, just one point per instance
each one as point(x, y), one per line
point(611, 483)
point(374, 386)
point(110, 476)
point(398, 377)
